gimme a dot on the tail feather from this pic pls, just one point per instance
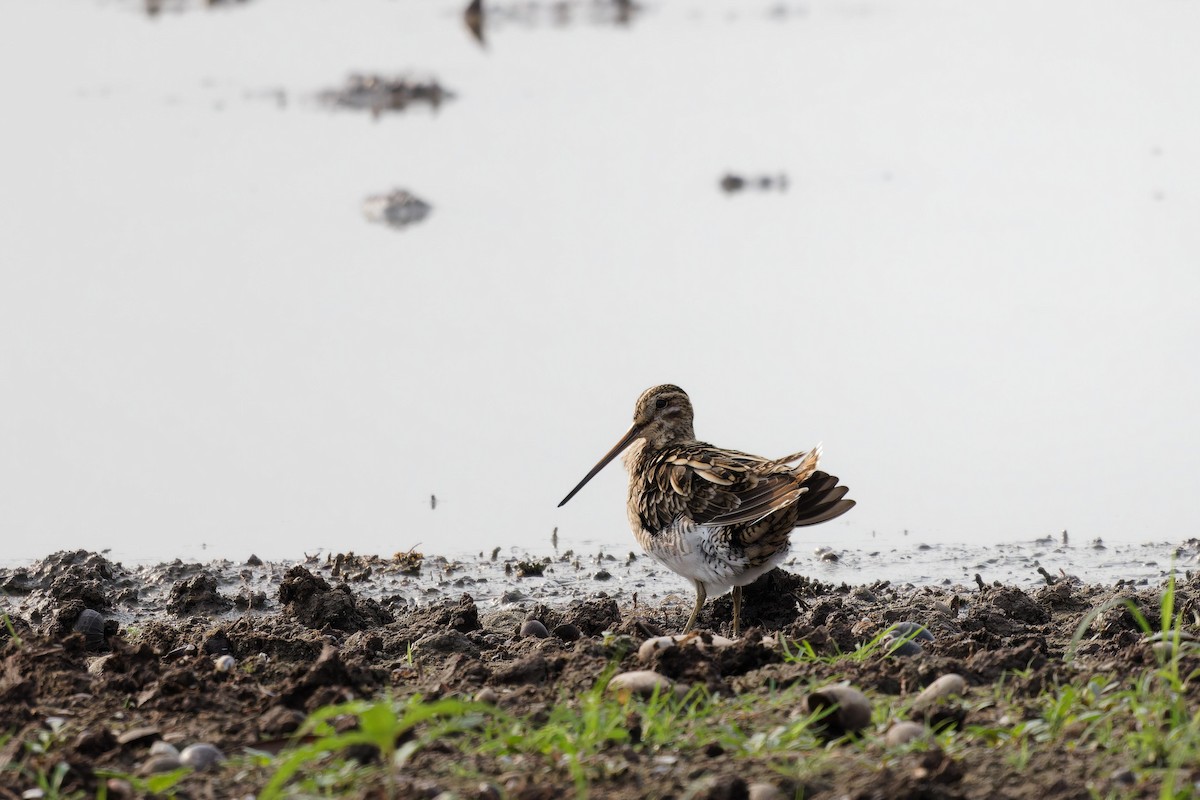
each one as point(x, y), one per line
point(823, 500)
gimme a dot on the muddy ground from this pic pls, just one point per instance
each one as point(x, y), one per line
point(149, 666)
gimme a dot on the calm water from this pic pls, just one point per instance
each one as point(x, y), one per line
point(979, 289)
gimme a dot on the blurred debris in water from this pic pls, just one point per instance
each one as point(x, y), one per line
point(479, 15)
point(731, 183)
point(398, 209)
point(376, 93)
point(155, 7)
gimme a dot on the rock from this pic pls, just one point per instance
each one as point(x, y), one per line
point(717, 787)
point(899, 647)
point(137, 734)
point(201, 756)
point(160, 763)
point(945, 687)
point(487, 695)
point(641, 683)
point(704, 642)
point(765, 791)
point(851, 711)
point(225, 663)
point(533, 628)
point(91, 624)
point(568, 632)
point(904, 732)
point(161, 748)
point(911, 630)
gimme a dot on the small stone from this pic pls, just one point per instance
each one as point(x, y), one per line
point(568, 632)
point(487, 695)
point(649, 647)
point(903, 733)
point(91, 624)
point(533, 628)
point(911, 630)
point(201, 756)
point(225, 663)
point(851, 709)
point(717, 787)
point(161, 748)
point(137, 735)
point(899, 647)
point(945, 687)
point(641, 682)
point(119, 788)
point(160, 763)
point(766, 791)
point(602, 575)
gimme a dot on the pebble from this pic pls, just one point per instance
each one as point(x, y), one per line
point(914, 630)
point(903, 733)
point(161, 748)
point(651, 646)
point(641, 682)
point(91, 625)
point(568, 632)
point(717, 787)
point(899, 647)
point(765, 791)
point(944, 608)
point(137, 734)
point(852, 713)
point(225, 663)
point(487, 695)
point(119, 788)
point(160, 763)
point(201, 756)
point(533, 628)
point(945, 687)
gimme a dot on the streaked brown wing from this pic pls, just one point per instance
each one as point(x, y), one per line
point(725, 487)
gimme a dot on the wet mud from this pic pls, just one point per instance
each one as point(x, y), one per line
point(107, 660)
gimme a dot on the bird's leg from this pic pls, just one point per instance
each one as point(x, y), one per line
point(701, 595)
point(737, 610)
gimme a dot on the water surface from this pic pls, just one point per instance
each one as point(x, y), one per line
point(978, 290)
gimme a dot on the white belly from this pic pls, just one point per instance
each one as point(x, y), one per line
point(702, 553)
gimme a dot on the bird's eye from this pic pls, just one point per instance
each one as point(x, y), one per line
point(660, 403)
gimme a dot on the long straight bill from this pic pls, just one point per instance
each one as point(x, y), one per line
point(626, 440)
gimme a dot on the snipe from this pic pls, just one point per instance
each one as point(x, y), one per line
point(719, 517)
